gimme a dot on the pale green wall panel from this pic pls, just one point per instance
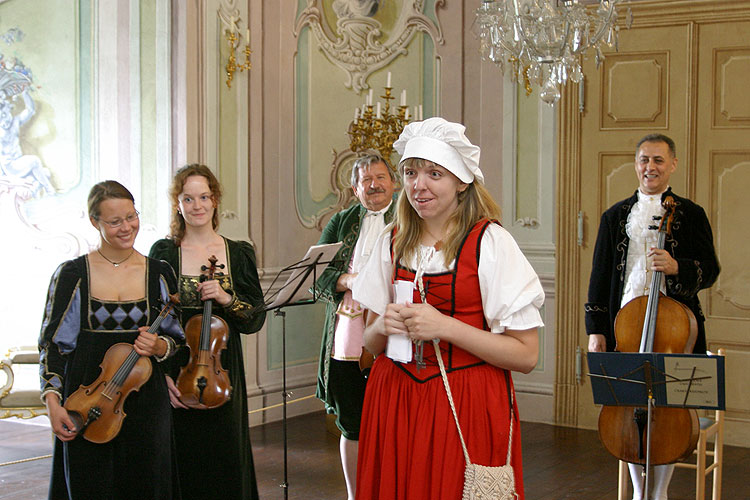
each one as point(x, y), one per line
point(304, 329)
point(228, 128)
point(324, 106)
point(310, 202)
point(148, 107)
point(527, 160)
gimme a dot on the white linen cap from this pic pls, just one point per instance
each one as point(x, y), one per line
point(442, 142)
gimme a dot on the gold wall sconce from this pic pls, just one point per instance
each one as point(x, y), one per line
point(233, 37)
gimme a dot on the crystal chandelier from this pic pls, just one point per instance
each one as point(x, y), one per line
point(543, 41)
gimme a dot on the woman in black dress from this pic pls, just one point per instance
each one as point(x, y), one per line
point(214, 455)
point(108, 296)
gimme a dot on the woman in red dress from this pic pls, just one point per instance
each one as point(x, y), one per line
point(482, 303)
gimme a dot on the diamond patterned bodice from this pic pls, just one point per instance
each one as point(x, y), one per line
point(106, 315)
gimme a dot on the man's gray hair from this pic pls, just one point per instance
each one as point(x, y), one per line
point(365, 161)
point(657, 138)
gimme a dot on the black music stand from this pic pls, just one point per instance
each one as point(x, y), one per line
point(295, 292)
point(657, 379)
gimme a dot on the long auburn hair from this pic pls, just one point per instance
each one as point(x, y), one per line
point(474, 204)
point(177, 225)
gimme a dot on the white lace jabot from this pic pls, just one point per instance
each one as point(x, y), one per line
point(642, 238)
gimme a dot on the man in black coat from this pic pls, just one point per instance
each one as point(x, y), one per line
point(625, 255)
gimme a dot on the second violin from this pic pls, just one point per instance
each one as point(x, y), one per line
point(203, 382)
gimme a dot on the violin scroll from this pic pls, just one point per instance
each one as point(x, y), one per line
point(210, 270)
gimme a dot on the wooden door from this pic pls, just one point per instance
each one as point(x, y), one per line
point(680, 71)
point(638, 90)
point(722, 184)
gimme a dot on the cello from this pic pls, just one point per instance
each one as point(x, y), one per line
point(652, 323)
point(203, 383)
point(97, 409)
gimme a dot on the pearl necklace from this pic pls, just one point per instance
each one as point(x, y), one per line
point(116, 264)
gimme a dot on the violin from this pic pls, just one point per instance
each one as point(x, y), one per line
point(203, 383)
point(652, 323)
point(97, 409)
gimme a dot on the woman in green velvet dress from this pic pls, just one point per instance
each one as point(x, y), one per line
point(213, 446)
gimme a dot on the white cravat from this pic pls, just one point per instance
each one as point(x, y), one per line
point(642, 238)
point(373, 224)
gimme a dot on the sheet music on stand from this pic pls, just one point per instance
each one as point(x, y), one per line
point(296, 289)
point(677, 380)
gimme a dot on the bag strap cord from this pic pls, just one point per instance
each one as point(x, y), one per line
point(436, 344)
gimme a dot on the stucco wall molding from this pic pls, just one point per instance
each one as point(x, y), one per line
point(356, 47)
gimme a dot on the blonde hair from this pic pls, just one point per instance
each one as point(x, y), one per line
point(474, 204)
point(177, 225)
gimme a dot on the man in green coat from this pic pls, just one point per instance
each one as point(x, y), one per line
point(341, 384)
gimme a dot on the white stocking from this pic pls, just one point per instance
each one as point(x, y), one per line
point(636, 477)
point(349, 450)
point(662, 477)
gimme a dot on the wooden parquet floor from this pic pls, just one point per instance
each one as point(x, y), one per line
point(559, 463)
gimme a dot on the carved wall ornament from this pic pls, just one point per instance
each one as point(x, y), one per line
point(341, 176)
point(529, 222)
point(229, 14)
point(228, 214)
point(356, 47)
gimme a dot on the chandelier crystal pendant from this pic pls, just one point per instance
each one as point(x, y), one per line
point(543, 41)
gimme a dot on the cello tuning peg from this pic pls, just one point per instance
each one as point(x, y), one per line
point(204, 268)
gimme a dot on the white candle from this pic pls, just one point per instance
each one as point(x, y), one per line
point(369, 98)
point(416, 112)
point(378, 109)
point(420, 112)
point(364, 108)
point(247, 36)
point(388, 80)
point(403, 97)
point(407, 114)
point(356, 114)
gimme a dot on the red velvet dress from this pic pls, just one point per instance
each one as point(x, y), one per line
point(409, 446)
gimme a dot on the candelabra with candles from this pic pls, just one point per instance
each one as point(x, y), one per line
point(377, 127)
point(233, 40)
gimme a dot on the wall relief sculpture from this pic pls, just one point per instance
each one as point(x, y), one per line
point(356, 46)
point(24, 170)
